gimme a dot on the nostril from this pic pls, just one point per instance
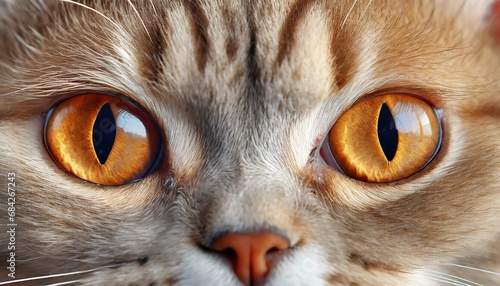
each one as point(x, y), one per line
point(274, 249)
point(230, 254)
point(252, 255)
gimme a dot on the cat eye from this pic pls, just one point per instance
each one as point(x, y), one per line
point(103, 139)
point(384, 139)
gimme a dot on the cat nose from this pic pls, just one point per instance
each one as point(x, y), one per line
point(251, 255)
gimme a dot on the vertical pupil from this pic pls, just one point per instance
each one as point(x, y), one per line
point(387, 132)
point(104, 133)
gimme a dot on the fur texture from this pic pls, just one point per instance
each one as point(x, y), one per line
point(245, 92)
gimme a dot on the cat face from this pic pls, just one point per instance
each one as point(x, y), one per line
point(248, 102)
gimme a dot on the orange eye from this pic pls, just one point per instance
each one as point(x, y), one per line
point(103, 139)
point(384, 139)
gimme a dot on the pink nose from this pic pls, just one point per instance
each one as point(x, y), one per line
point(250, 254)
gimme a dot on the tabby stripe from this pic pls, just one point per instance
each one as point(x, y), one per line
point(298, 11)
point(153, 59)
point(343, 53)
point(199, 25)
point(254, 99)
point(231, 43)
point(252, 68)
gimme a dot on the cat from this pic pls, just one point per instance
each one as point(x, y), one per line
point(300, 142)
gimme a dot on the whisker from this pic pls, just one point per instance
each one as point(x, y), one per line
point(153, 6)
point(366, 8)
point(55, 275)
point(445, 280)
point(348, 13)
point(93, 10)
point(64, 283)
point(456, 278)
point(140, 18)
point(475, 269)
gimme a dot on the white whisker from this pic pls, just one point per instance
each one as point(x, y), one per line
point(455, 278)
point(140, 19)
point(55, 275)
point(366, 8)
point(475, 269)
point(445, 280)
point(348, 13)
point(154, 8)
point(64, 283)
point(93, 10)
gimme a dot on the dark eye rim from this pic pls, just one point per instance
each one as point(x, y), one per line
point(155, 165)
point(441, 146)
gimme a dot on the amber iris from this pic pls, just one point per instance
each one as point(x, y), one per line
point(103, 139)
point(385, 138)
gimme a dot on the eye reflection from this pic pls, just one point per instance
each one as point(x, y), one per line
point(412, 119)
point(103, 139)
point(130, 124)
point(384, 139)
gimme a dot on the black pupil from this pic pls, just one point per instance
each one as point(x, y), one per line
point(387, 132)
point(104, 133)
